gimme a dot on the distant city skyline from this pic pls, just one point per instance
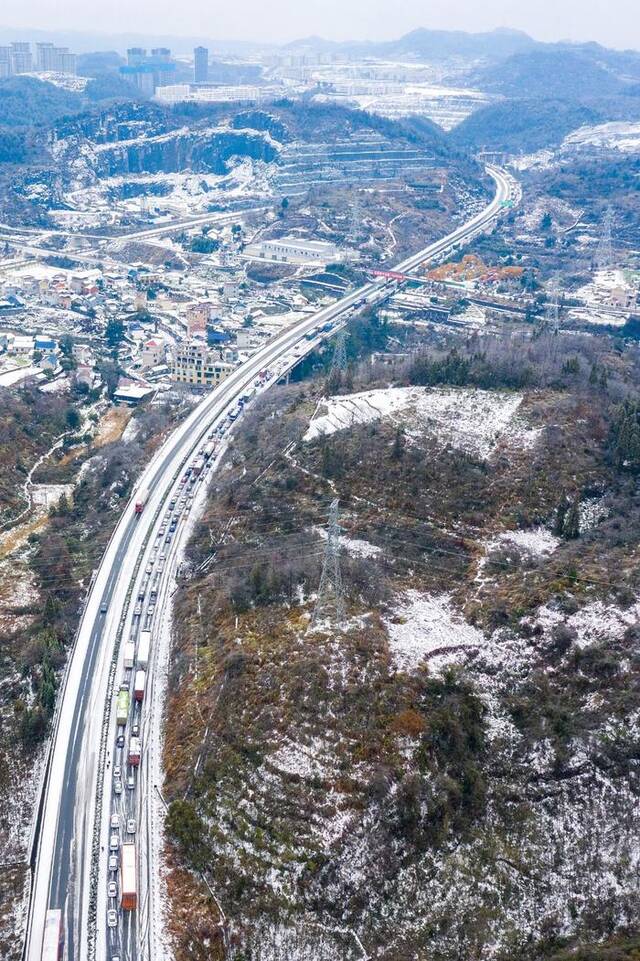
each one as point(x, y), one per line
point(614, 24)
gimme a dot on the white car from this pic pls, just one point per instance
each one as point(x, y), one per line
point(113, 862)
point(117, 786)
point(112, 889)
point(114, 842)
point(115, 822)
point(131, 826)
point(131, 782)
point(117, 772)
point(112, 918)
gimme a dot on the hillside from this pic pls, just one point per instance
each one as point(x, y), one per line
point(549, 74)
point(454, 773)
point(527, 125)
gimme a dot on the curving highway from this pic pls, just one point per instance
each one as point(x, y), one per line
point(72, 830)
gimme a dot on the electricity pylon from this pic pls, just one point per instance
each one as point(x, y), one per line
point(552, 311)
point(339, 359)
point(330, 602)
point(604, 251)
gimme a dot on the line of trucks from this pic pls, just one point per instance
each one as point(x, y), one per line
point(137, 661)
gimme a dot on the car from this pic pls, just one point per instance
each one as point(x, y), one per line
point(172, 504)
point(115, 822)
point(135, 730)
point(131, 782)
point(149, 569)
point(120, 740)
point(163, 557)
point(167, 539)
point(154, 594)
point(117, 786)
point(151, 608)
point(114, 842)
point(112, 889)
point(112, 918)
point(138, 611)
point(117, 772)
point(162, 530)
point(113, 862)
point(131, 826)
point(103, 607)
point(141, 593)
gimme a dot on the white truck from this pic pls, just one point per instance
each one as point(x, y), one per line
point(144, 646)
point(129, 654)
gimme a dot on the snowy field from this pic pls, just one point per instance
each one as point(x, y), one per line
point(612, 136)
point(471, 420)
point(424, 625)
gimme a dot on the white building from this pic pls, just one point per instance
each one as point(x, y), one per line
point(196, 364)
point(293, 250)
point(211, 93)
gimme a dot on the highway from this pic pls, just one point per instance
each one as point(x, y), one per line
point(71, 835)
point(218, 219)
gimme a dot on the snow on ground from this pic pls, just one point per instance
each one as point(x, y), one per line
point(67, 81)
point(612, 136)
point(537, 542)
point(305, 760)
point(593, 624)
point(592, 511)
point(468, 419)
point(353, 546)
point(17, 374)
point(539, 160)
point(424, 625)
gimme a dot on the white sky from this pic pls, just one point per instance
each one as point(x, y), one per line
point(611, 22)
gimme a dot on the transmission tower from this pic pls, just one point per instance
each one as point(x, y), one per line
point(339, 359)
point(604, 252)
point(330, 602)
point(355, 220)
point(552, 311)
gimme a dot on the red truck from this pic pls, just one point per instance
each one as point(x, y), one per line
point(134, 751)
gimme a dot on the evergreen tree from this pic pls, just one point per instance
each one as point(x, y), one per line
point(561, 513)
point(572, 522)
point(397, 452)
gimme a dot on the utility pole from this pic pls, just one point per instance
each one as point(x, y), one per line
point(330, 603)
point(604, 256)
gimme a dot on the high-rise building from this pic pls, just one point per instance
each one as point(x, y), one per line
point(20, 57)
point(5, 61)
point(136, 56)
point(200, 64)
point(149, 72)
point(52, 59)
